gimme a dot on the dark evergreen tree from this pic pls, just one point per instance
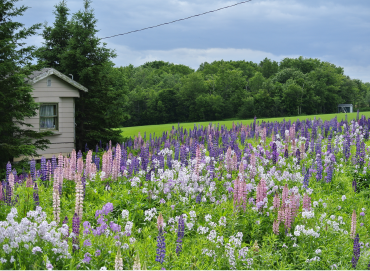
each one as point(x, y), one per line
point(56, 38)
point(16, 103)
point(81, 54)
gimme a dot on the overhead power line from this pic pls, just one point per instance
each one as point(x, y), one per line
point(177, 20)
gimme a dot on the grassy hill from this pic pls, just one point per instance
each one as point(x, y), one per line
point(160, 128)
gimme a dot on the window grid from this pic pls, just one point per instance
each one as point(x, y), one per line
point(49, 116)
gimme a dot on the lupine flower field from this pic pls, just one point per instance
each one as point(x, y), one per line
point(288, 195)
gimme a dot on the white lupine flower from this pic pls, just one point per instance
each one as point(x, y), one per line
point(308, 214)
point(149, 214)
point(192, 214)
point(125, 214)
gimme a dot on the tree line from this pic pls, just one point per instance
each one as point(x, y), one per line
point(161, 92)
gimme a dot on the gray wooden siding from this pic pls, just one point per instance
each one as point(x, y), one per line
point(63, 94)
point(58, 88)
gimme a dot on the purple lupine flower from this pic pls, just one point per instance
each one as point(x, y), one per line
point(298, 155)
point(8, 171)
point(318, 167)
point(97, 253)
point(43, 169)
point(305, 179)
point(286, 155)
point(65, 221)
point(180, 234)
point(8, 194)
point(87, 258)
point(161, 247)
point(33, 169)
point(198, 198)
point(115, 227)
point(329, 174)
point(329, 144)
point(76, 231)
point(356, 251)
point(79, 155)
point(87, 227)
point(274, 153)
point(97, 162)
point(36, 195)
point(362, 214)
point(53, 164)
point(347, 146)
point(87, 243)
point(107, 208)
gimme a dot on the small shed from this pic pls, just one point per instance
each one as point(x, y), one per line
point(56, 93)
point(345, 108)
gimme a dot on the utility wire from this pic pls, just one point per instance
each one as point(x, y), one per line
point(177, 20)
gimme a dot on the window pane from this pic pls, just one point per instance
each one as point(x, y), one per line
point(48, 110)
point(47, 123)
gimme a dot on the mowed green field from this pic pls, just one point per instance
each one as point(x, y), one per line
point(160, 128)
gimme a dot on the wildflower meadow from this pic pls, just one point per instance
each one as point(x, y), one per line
point(268, 195)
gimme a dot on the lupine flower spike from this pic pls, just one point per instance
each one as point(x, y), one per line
point(118, 262)
point(137, 265)
point(353, 224)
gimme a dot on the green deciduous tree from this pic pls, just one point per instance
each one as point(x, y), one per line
point(16, 103)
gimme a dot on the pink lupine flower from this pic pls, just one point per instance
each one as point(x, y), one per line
point(236, 192)
point(160, 221)
point(88, 164)
point(285, 195)
point(281, 215)
point(119, 154)
point(253, 160)
point(80, 165)
point(1, 192)
point(288, 217)
point(275, 227)
point(60, 160)
point(110, 160)
point(242, 196)
point(79, 196)
point(48, 170)
point(29, 182)
point(261, 191)
point(306, 202)
point(353, 224)
point(302, 150)
point(241, 170)
point(234, 162)
point(293, 204)
point(276, 202)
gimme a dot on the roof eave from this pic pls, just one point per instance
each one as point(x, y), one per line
point(61, 76)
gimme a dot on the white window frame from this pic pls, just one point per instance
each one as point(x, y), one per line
point(54, 116)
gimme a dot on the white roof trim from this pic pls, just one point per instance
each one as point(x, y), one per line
point(51, 71)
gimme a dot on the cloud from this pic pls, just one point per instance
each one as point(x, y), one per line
point(332, 30)
point(358, 72)
point(190, 56)
point(193, 57)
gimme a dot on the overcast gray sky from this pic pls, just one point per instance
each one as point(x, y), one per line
point(335, 31)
